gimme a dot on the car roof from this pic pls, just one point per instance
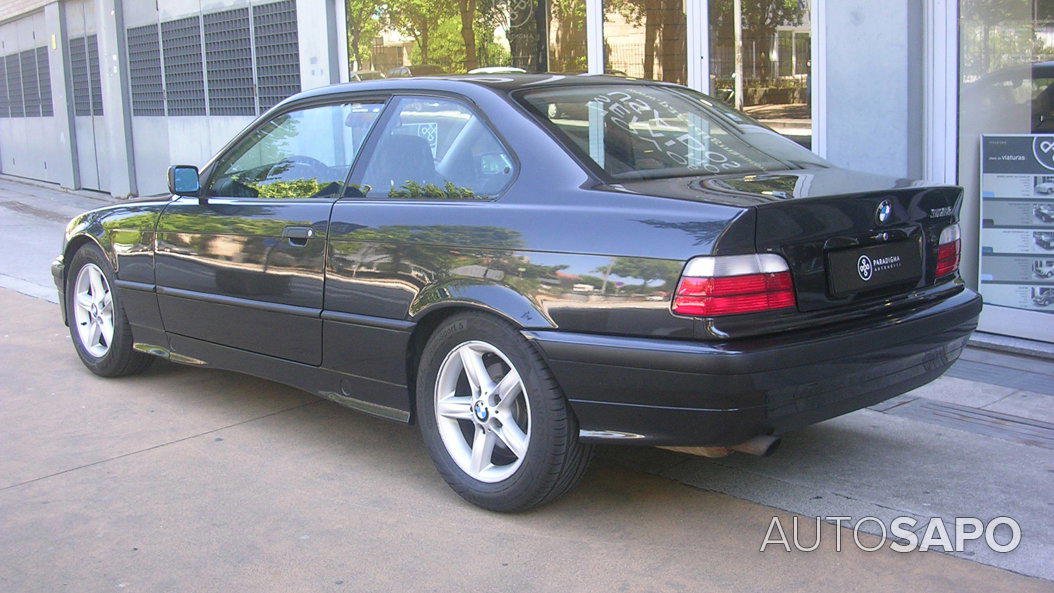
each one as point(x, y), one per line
point(466, 83)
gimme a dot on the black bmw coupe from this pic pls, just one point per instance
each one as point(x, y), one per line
point(526, 265)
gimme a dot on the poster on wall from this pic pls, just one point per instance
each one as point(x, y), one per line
point(1017, 221)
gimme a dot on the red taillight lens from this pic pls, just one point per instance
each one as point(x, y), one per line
point(710, 296)
point(948, 251)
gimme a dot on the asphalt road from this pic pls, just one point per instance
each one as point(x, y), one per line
point(187, 479)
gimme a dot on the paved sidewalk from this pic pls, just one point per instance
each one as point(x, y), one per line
point(186, 479)
point(977, 442)
point(32, 221)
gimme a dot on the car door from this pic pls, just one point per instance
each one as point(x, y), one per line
point(412, 219)
point(243, 266)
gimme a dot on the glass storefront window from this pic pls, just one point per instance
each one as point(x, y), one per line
point(1004, 68)
point(773, 65)
point(1006, 161)
point(424, 37)
point(646, 39)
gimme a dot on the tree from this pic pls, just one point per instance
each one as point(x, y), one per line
point(664, 35)
point(467, 8)
point(363, 25)
point(760, 19)
point(569, 44)
point(645, 270)
point(419, 19)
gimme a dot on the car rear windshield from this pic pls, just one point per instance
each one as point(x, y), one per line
point(644, 131)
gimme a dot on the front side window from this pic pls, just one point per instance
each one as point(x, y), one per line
point(639, 131)
point(435, 149)
point(299, 154)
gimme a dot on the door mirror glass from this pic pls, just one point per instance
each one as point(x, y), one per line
point(183, 180)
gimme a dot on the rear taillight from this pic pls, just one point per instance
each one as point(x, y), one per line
point(948, 249)
point(734, 284)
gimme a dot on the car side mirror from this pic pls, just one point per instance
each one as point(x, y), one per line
point(183, 181)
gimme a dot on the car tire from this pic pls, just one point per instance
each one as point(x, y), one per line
point(91, 302)
point(535, 455)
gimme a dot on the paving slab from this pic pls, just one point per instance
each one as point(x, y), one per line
point(195, 480)
point(32, 222)
point(869, 463)
point(1037, 406)
point(323, 499)
point(962, 392)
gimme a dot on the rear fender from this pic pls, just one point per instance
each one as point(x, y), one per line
point(494, 297)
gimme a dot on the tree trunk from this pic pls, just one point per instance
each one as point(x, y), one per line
point(422, 42)
point(570, 36)
point(356, 53)
point(468, 34)
point(652, 25)
point(673, 43)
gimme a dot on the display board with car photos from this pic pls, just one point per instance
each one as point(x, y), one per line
point(1017, 221)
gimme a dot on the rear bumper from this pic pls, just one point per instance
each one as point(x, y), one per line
point(667, 392)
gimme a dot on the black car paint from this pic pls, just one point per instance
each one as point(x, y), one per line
point(214, 282)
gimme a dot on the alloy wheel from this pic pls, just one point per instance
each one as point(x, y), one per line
point(482, 411)
point(93, 310)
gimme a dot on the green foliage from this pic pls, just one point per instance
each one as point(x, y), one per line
point(447, 49)
point(297, 188)
point(996, 34)
point(419, 19)
point(364, 23)
point(430, 191)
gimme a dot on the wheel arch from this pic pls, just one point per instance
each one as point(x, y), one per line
point(80, 240)
point(73, 245)
point(439, 303)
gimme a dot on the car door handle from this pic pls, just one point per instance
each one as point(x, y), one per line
point(298, 235)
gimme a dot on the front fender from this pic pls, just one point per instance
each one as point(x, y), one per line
point(495, 297)
point(124, 233)
point(87, 227)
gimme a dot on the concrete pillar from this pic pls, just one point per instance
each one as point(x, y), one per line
point(116, 97)
point(341, 31)
point(320, 35)
point(67, 171)
point(874, 98)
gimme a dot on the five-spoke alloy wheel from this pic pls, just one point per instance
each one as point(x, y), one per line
point(495, 423)
point(482, 414)
point(93, 310)
point(97, 322)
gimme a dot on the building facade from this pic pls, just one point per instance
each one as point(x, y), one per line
point(105, 94)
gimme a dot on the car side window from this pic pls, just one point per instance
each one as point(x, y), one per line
point(305, 153)
point(435, 149)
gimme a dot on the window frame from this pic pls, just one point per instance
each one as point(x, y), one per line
point(369, 147)
point(209, 172)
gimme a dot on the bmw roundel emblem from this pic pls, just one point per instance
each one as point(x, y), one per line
point(884, 211)
point(481, 411)
point(864, 267)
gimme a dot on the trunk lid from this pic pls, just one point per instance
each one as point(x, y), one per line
point(825, 222)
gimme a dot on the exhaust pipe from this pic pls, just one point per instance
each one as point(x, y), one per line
point(761, 445)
